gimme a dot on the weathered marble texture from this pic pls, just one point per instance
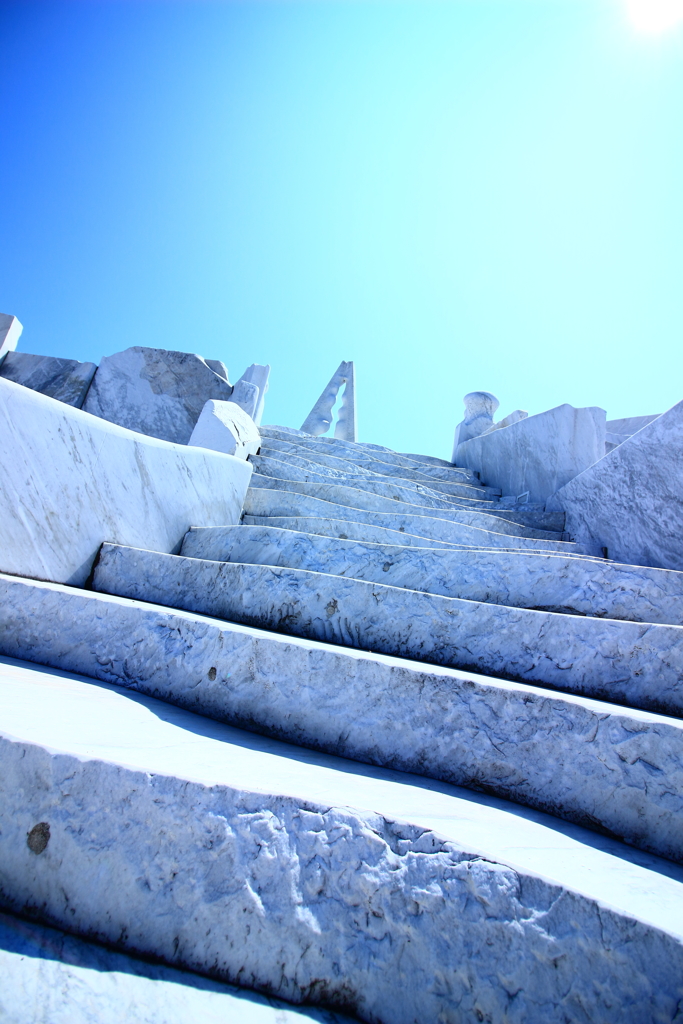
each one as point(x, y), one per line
point(539, 454)
point(346, 427)
point(431, 460)
point(482, 516)
point(286, 451)
point(507, 421)
point(67, 380)
point(611, 768)
point(10, 332)
point(246, 395)
point(637, 663)
point(320, 417)
point(226, 427)
point(245, 859)
point(80, 480)
point(630, 424)
point(479, 409)
point(631, 502)
point(521, 579)
point(267, 502)
point(257, 374)
point(51, 977)
point(347, 530)
point(155, 391)
point(287, 468)
point(362, 454)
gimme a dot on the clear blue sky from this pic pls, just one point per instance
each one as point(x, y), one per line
point(462, 195)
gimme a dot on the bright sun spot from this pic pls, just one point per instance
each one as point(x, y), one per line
point(655, 15)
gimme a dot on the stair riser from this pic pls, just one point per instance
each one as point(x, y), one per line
point(641, 665)
point(519, 579)
point(609, 768)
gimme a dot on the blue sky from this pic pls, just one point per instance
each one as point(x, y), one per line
point(461, 195)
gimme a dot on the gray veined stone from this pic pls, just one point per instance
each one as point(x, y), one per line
point(522, 579)
point(66, 380)
point(258, 375)
point(10, 331)
point(246, 395)
point(155, 391)
point(320, 417)
point(636, 663)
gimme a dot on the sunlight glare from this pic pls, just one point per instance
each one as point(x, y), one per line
point(655, 15)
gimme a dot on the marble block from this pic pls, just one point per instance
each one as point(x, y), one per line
point(586, 761)
point(319, 418)
point(629, 505)
point(319, 880)
point(507, 421)
point(258, 375)
point(154, 391)
point(539, 454)
point(479, 409)
point(245, 394)
point(10, 331)
point(226, 427)
point(67, 380)
point(630, 424)
point(77, 982)
point(71, 480)
point(639, 664)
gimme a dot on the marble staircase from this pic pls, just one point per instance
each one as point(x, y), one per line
point(393, 745)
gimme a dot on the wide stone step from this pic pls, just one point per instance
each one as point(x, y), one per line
point(549, 582)
point(364, 464)
point(468, 512)
point(348, 530)
point(272, 500)
point(593, 763)
point(167, 835)
point(356, 475)
point(638, 664)
point(76, 982)
point(393, 489)
point(361, 454)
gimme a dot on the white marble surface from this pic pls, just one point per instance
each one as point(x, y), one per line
point(289, 467)
point(226, 427)
point(484, 517)
point(631, 502)
point(249, 858)
point(10, 332)
point(263, 502)
point(522, 579)
point(630, 424)
point(345, 529)
point(636, 663)
point(583, 760)
point(51, 977)
point(319, 418)
point(539, 454)
point(71, 481)
point(259, 375)
point(246, 395)
point(155, 391)
point(478, 418)
point(67, 380)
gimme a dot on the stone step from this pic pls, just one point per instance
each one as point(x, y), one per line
point(76, 982)
point(360, 453)
point(210, 849)
point(348, 530)
point(638, 664)
point(431, 460)
point(611, 768)
point(546, 582)
point(350, 471)
point(350, 498)
point(266, 502)
point(365, 464)
point(392, 488)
